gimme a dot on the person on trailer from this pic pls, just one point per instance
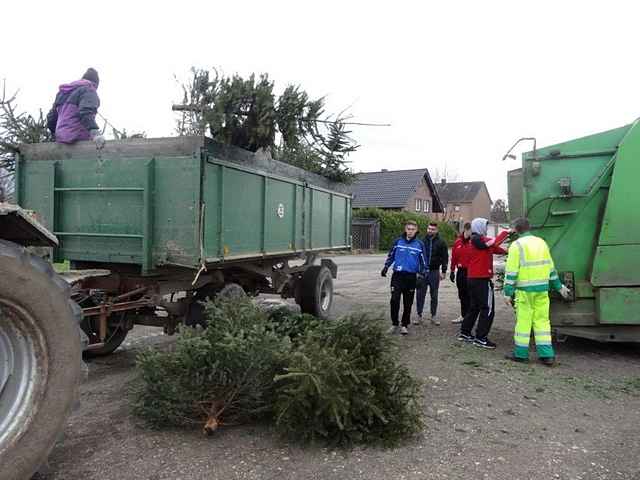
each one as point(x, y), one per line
point(73, 115)
point(407, 255)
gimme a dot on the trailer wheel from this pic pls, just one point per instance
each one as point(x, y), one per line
point(231, 290)
point(116, 333)
point(316, 292)
point(40, 360)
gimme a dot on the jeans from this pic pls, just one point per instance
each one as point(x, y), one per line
point(432, 283)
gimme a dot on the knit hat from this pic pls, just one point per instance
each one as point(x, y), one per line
point(92, 75)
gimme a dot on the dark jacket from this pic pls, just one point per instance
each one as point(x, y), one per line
point(437, 252)
point(407, 256)
point(73, 114)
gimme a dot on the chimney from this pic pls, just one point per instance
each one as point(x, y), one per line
point(443, 181)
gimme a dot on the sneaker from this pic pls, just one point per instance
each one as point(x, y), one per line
point(484, 343)
point(457, 320)
point(463, 337)
point(417, 320)
point(393, 330)
point(548, 361)
point(513, 358)
point(435, 320)
point(404, 330)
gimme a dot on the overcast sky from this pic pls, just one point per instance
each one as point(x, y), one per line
point(458, 81)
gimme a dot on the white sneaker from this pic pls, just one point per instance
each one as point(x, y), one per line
point(404, 330)
point(457, 320)
point(435, 320)
point(393, 330)
point(416, 320)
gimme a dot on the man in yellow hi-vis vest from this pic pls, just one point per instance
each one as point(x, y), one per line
point(529, 275)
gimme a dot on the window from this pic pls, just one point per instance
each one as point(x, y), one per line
point(418, 204)
point(426, 206)
point(457, 208)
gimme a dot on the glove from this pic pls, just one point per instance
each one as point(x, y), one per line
point(384, 271)
point(98, 138)
point(452, 276)
point(565, 292)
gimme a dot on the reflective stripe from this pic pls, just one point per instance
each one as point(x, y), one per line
point(531, 283)
point(536, 263)
point(540, 344)
point(511, 274)
point(521, 252)
point(518, 334)
point(518, 344)
point(509, 282)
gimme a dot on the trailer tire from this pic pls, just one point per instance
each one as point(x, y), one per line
point(316, 292)
point(40, 360)
point(115, 337)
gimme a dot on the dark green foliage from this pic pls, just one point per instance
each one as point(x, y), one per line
point(344, 385)
point(392, 225)
point(247, 114)
point(225, 372)
point(338, 382)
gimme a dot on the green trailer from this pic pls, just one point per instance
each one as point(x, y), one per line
point(582, 197)
point(172, 221)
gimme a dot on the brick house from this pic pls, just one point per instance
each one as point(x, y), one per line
point(463, 201)
point(409, 190)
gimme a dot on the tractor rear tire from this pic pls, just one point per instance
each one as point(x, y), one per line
point(40, 360)
point(316, 292)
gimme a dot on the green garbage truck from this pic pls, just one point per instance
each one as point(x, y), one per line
point(162, 224)
point(582, 197)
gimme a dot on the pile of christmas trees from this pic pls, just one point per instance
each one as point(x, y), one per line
point(337, 382)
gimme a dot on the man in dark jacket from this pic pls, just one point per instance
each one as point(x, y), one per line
point(409, 266)
point(438, 257)
point(460, 253)
point(73, 115)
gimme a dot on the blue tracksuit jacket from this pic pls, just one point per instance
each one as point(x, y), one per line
point(407, 256)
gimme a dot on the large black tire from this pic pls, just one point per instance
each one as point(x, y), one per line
point(40, 360)
point(316, 292)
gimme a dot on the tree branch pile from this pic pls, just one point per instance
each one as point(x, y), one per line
point(338, 382)
point(246, 113)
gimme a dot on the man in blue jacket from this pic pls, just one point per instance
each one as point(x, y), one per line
point(409, 267)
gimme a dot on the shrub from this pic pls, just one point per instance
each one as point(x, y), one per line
point(344, 385)
point(392, 224)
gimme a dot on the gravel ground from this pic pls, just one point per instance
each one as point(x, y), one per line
point(486, 418)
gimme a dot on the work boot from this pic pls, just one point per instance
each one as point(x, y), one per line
point(416, 320)
point(484, 343)
point(434, 320)
point(404, 330)
point(513, 358)
point(393, 330)
point(457, 320)
point(548, 361)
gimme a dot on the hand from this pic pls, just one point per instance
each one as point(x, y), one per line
point(99, 141)
point(442, 275)
point(452, 276)
point(384, 271)
point(565, 292)
point(508, 300)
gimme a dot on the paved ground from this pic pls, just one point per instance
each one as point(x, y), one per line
point(486, 418)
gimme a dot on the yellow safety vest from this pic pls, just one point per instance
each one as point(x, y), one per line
point(530, 266)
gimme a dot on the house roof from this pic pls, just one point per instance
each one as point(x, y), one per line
point(391, 189)
point(460, 192)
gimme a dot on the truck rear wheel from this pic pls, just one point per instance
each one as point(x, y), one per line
point(40, 360)
point(316, 292)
